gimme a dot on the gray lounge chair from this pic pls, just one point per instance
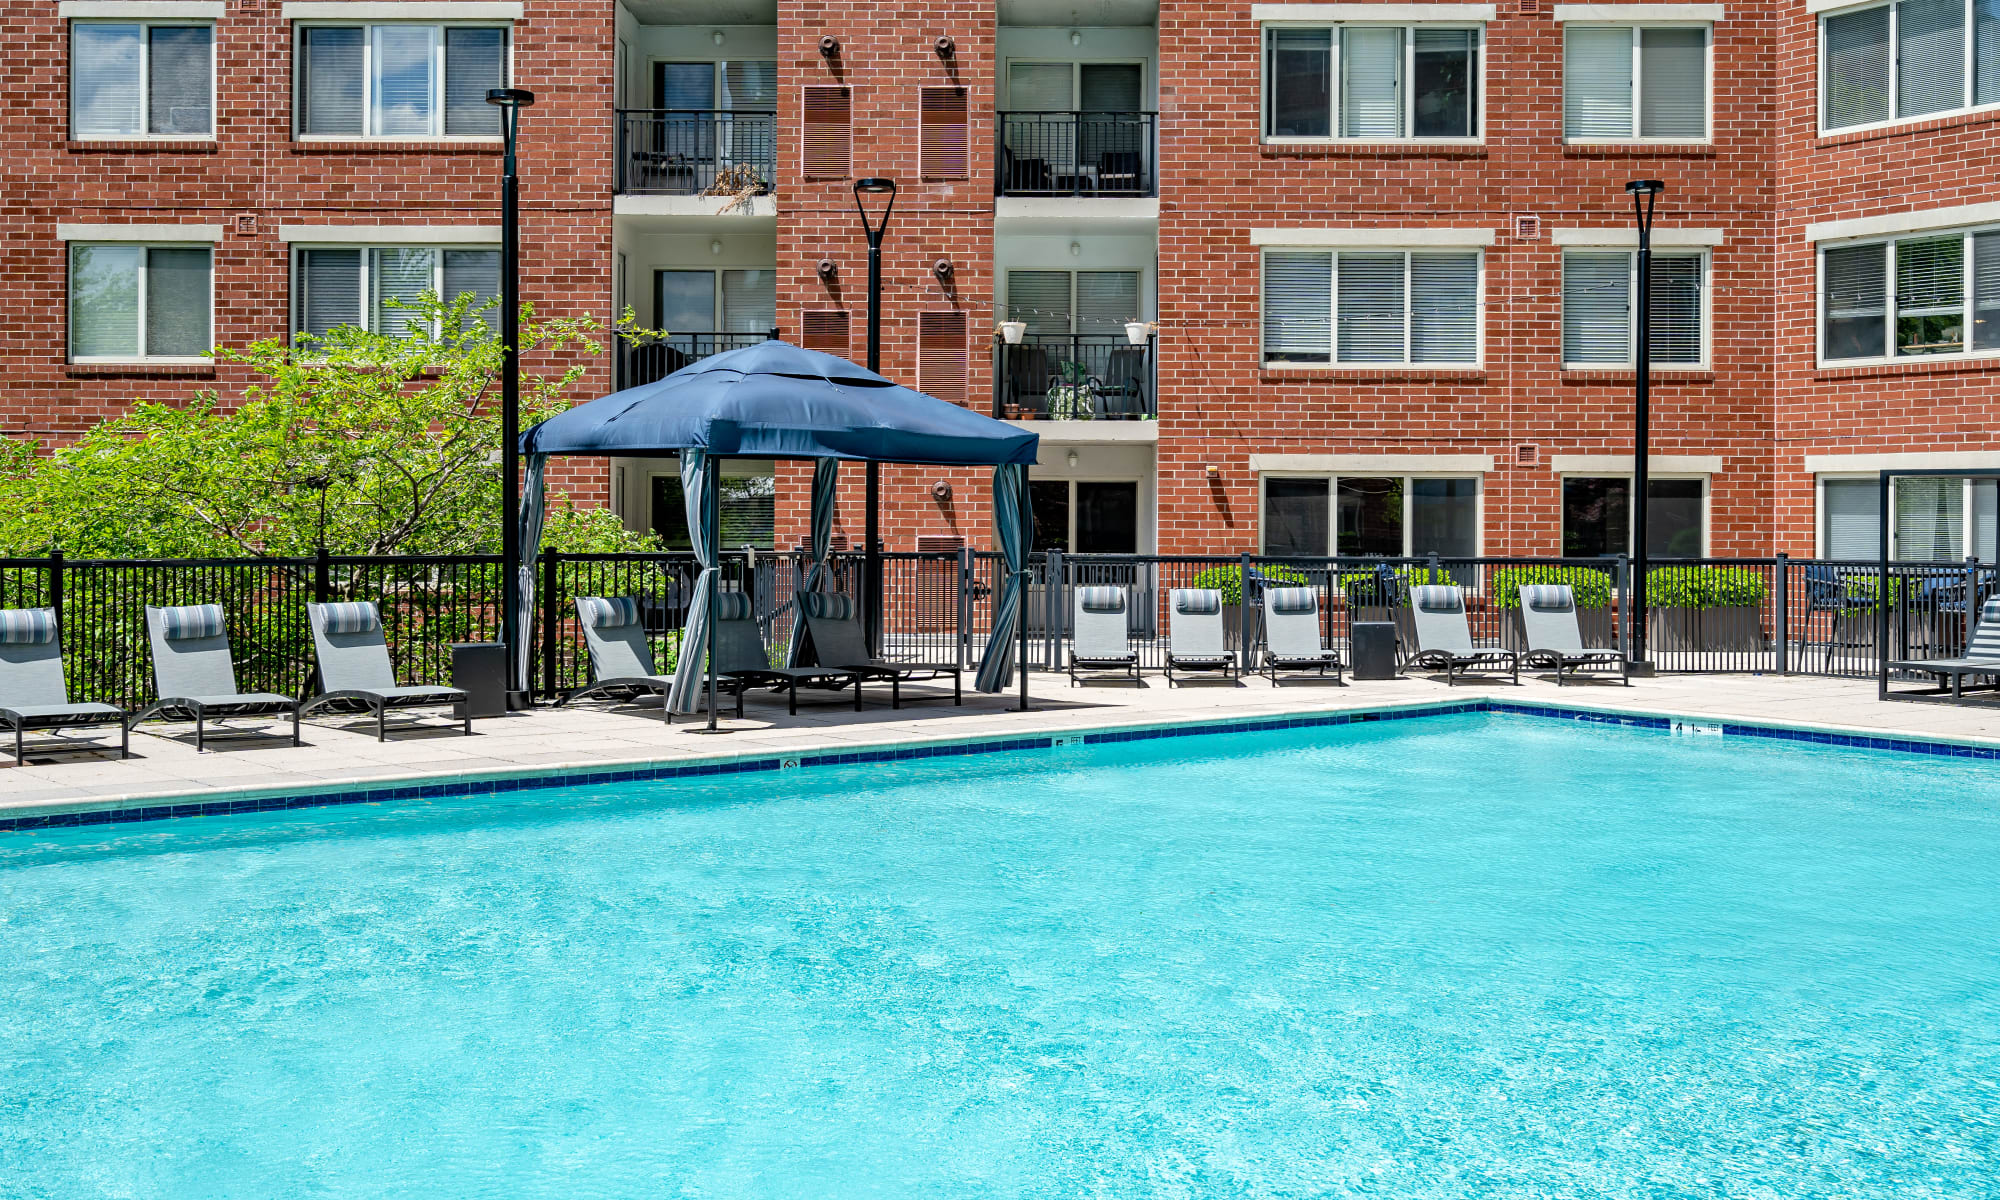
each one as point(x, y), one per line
point(195, 676)
point(1555, 636)
point(1291, 634)
point(33, 693)
point(1195, 641)
point(1444, 639)
point(621, 658)
point(354, 668)
point(1100, 640)
point(838, 641)
point(742, 660)
point(1981, 657)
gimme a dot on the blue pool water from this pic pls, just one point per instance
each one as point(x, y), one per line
point(1473, 956)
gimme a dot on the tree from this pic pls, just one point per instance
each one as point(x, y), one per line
point(363, 442)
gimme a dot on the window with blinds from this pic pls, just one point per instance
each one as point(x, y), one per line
point(380, 288)
point(138, 80)
point(1372, 82)
point(130, 302)
point(941, 355)
point(827, 146)
point(1626, 83)
point(749, 301)
point(1369, 307)
point(1911, 297)
point(1053, 303)
point(943, 149)
point(1850, 518)
point(399, 80)
point(1600, 313)
point(1914, 58)
point(824, 330)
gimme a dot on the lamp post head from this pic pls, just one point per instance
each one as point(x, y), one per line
point(510, 97)
point(874, 186)
point(1646, 187)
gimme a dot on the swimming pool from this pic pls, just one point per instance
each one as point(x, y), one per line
point(1475, 955)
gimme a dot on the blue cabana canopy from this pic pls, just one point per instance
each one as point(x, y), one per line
point(775, 400)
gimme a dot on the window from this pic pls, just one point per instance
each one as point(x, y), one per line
point(401, 80)
point(687, 302)
point(1392, 516)
point(132, 80)
point(1597, 517)
point(1086, 516)
point(1063, 302)
point(131, 302)
point(748, 490)
point(1372, 82)
point(1372, 307)
point(366, 287)
point(1909, 297)
point(1892, 62)
point(1625, 84)
point(1599, 314)
point(1935, 518)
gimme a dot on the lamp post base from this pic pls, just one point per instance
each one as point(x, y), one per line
point(1642, 668)
point(520, 701)
point(706, 729)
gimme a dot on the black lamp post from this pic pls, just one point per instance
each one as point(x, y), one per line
point(872, 553)
point(510, 102)
point(1645, 192)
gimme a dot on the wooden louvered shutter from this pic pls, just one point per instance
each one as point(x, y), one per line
point(825, 330)
point(945, 153)
point(941, 355)
point(828, 132)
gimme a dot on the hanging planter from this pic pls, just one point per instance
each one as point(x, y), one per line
point(1136, 332)
point(1012, 332)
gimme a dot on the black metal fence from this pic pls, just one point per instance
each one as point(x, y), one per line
point(682, 152)
point(654, 360)
point(1764, 615)
point(1075, 154)
point(1076, 377)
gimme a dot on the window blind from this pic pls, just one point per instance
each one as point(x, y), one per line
point(329, 290)
point(1850, 516)
point(1985, 51)
point(1040, 87)
point(1673, 83)
point(1370, 307)
point(104, 301)
point(476, 272)
point(402, 64)
point(1930, 56)
point(178, 80)
point(1675, 295)
point(943, 147)
point(828, 136)
point(941, 356)
point(104, 80)
point(475, 61)
point(1930, 295)
point(1856, 301)
point(1929, 519)
point(1597, 308)
point(1371, 71)
point(1040, 299)
point(1105, 300)
point(684, 85)
point(1986, 520)
point(1986, 291)
point(1857, 68)
point(333, 83)
point(1298, 306)
point(746, 514)
point(402, 275)
point(1109, 87)
point(749, 301)
point(177, 301)
point(750, 84)
point(1301, 83)
point(1444, 308)
point(1597, 83)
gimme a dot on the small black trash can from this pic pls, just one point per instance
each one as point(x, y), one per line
point(479, 669)
point(1374, 649)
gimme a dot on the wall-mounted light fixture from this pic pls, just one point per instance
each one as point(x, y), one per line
point(941, 490)
point(946, 47)
point(1214, 472)
point(1075, 248)
point(827, 269)
point(1070, 458)
point(716, 37)
point(942, 269)
point(715, 247)
point(829, 47)
point(1075, 37)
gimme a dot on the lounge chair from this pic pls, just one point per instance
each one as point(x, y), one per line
point(33, 693)
point(742, 660)
point(1100, 641)
point(838, 641)
point(1444, 639)
point(1981, 657)
point(196, 677)
point(354, 668)
point(1555, 635)
point(1195, 639)
point(1291, 634)
point(621, 659)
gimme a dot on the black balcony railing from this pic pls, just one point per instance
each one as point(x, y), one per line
point(1074, 377)
point(649, 362)
point(681, 152)
point(1076, 154)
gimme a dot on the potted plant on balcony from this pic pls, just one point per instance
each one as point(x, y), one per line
point(1011, 332)
point(1705, 608)
point(1136, 332)
point(1073, 396)
point(1590, 587)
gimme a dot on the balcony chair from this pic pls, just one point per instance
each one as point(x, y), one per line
point(1121, 171)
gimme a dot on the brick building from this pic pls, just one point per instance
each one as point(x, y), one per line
point(1297, 278)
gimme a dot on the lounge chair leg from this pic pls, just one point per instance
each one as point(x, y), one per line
point(200, 733)
point(895, 691)
point(792, 699)
point(957, 686)
point(18, 760)
point(381, 722)
point(295, 727)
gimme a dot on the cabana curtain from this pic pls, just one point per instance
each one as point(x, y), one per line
point(826, 477)
point(698, 485)
point(1010, 533)
point(523, 582)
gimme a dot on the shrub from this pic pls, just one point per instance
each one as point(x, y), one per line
point(1704, 587)
point(1364, 587)
point(1229, 580)
point(1590, 586)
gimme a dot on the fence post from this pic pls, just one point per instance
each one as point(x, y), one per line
point(1624, 622)
point(549, 572)
point(1243, 612)
point(1784, 621)
point(965, 605)
point(56, 586)
point(322, 576)
point(1052, 589)
point(1971, 601)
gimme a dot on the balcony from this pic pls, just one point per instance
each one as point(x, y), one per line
point(654, 361)
point(1076, 154)
point(1074, 377)
point(685, 152)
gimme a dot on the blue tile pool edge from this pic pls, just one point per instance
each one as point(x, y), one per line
point(166, 808)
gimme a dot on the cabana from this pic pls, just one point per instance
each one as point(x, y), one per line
point(775, 400)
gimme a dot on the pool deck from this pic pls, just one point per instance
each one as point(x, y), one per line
point(342, 753)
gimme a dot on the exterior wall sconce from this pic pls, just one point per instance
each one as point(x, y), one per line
point(827, 269)
point(1214, 472)
point(716, 37)
point(1075, 38)
point(946, 47)
point(715, 247)
point(1070, 458)
point(941, 490)
point(829, 47)
point(942, 269)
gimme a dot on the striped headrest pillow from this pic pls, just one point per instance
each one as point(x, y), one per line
point(1101, 599)
point(27, 626)
point(611, 612)
point(191, 621)
point(1197, 602)
point(1294, 600)
point(732, 606)
point(356, 617)
point(1437, 598)
point(1547, 597)
point(829, 606)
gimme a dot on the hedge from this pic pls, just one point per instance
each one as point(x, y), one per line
point(1704, 587)
point(1590, 586)
point(1229, 580)
point(1364, 587)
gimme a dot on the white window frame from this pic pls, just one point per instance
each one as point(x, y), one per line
point(145, 79)
point(1408, 99)
point(1333, 478)
point(1638, 26)
point(1967, 532)
point(1895, 71)
point(158, 243)
point(366, 279)
point(1888, 355)
point(1334, 362)
point(1631, 362)
point(368, 80)
point(1631, 513)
